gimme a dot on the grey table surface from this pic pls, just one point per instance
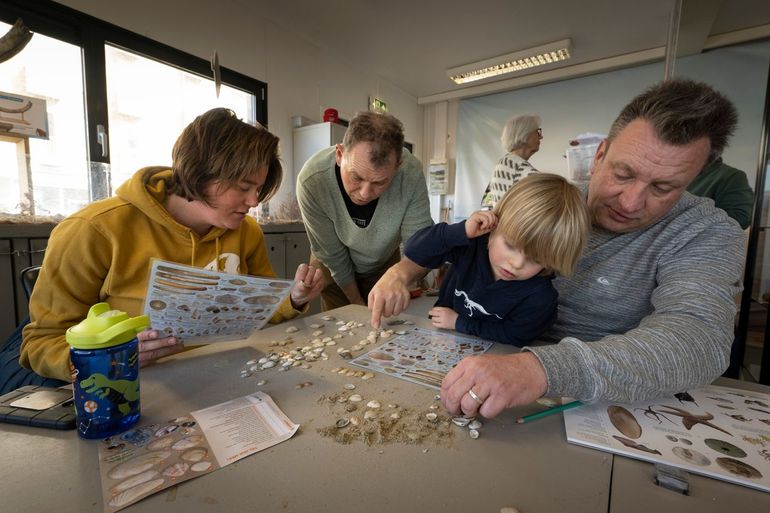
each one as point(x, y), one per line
point(528, 466)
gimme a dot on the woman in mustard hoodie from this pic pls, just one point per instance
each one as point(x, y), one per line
point(194, 213)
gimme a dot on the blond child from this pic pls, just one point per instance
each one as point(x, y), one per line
point(499, 285)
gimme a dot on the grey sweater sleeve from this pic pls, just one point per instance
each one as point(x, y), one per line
point(682, 342)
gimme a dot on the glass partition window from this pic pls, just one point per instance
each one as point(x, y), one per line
point(45, 177)
point(150, 103)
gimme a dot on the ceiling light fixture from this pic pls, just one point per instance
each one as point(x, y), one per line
point(516, 61)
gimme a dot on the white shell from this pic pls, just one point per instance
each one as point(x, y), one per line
point(355, 398)
point(373, 404)
point(349, 386)
point(431, 416)
point(370, 414)
point(268, 364)
point(261, 382)
point(460, 421)
point(473, 433)
point(292, 329)
point(474, 424)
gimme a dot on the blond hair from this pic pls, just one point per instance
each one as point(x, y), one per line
point(546, 217)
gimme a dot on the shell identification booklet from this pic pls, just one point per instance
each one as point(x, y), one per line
point(715, 431)
point(200, 306)
point(150, 458)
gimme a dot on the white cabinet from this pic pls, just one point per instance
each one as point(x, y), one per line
point(312, 138)
point(287, 247)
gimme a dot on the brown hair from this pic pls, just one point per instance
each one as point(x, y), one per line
point(682, 111)
point(384, 131)
point(217, 147)
point(546, 217)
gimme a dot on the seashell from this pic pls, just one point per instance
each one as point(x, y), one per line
point(268, 364)
point(292, 329)
point(367, 376)
point(315, 325)
point(201, 466)
point(138, 464)
point(433, 407)
point(400, 332)
point(370, 414)
point(176, 470)
point(355, 420)
point(473, 433)
point(337, 337)
point(336, 369)
point(474, 424)
point(437, 397)
point(355, 348)
point(318, 333)
point(160, 443)
point(431, 416)
point(691, 456)
point(349, 386)
point(194, 454)
point(350, 407)
point(251, 362)
point(328, 318)
point(342, 399)
point(739, 468)
point(373, 404)
point(261, 382)
point(130, 495)
point(133, 481)
point(331, 343)
point(460, 421)
point(624, 421)
point(343, 328)
point(355, 398)
point(186, 443)
point(341, 423)
point(395, 415)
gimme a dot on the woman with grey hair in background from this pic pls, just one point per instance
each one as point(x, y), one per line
point(521, 139)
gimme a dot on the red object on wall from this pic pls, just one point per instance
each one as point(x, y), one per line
point(331, 115)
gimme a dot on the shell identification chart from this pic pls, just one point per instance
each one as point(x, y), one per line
point(201, 306)
point(150, 458)
point(420, 355)
point(714, 431)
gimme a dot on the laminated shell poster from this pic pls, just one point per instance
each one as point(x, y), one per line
point(421, 356)
point(714, 431)
point(150, 458)
point(201, 306)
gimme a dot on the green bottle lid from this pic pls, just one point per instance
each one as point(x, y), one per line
point(105, 328)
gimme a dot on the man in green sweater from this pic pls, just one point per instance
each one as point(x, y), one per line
point(360, 200)
point(728, 187)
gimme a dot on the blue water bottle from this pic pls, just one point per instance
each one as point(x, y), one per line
point(104, 353)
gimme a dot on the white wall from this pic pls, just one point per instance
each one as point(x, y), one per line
point(590, 104)
point(302, 78)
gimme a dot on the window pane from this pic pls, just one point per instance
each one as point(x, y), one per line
point(150, 103)
point(58, 166)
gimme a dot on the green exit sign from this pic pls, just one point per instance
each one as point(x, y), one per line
point(379, 105)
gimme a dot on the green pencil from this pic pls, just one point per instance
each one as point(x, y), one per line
point(549, 411)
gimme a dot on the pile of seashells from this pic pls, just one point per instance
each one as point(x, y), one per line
point(471, 423)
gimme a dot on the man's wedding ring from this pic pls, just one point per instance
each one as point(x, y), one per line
point(475, 397)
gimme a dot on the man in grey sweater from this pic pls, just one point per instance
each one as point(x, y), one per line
point(359, 201)
point(650, 307)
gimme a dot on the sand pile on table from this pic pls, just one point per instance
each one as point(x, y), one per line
point(387, 424)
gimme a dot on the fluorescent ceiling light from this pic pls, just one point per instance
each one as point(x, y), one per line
point(516, 61)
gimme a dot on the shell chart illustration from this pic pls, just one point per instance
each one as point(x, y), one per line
point(691, 430)
point(201, 306)
point(624, 421)
point(147, 459)
point(421, 356)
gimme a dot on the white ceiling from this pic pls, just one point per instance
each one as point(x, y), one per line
point(411, 43)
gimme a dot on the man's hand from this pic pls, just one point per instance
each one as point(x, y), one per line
point(497, 381)
point(152, 346)
point(308, 283)
point(443, 317)
point(390, 295)
point(480, 223)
